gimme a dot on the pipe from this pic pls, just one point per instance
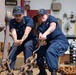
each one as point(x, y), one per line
point(22, 3)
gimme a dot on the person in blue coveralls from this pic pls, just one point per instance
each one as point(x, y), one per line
point(21, 28)
point(57, 43)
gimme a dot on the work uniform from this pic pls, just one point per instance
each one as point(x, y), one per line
point(56, 45)
point(28, 45)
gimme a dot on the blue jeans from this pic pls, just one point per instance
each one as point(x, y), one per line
point(51, 52)
point(27, 48)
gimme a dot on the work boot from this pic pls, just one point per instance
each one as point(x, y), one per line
point(30, 72)
point(54, 72)
point(42, 71)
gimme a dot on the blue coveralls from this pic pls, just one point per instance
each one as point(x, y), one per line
point(56, 45)
point(28, 45)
